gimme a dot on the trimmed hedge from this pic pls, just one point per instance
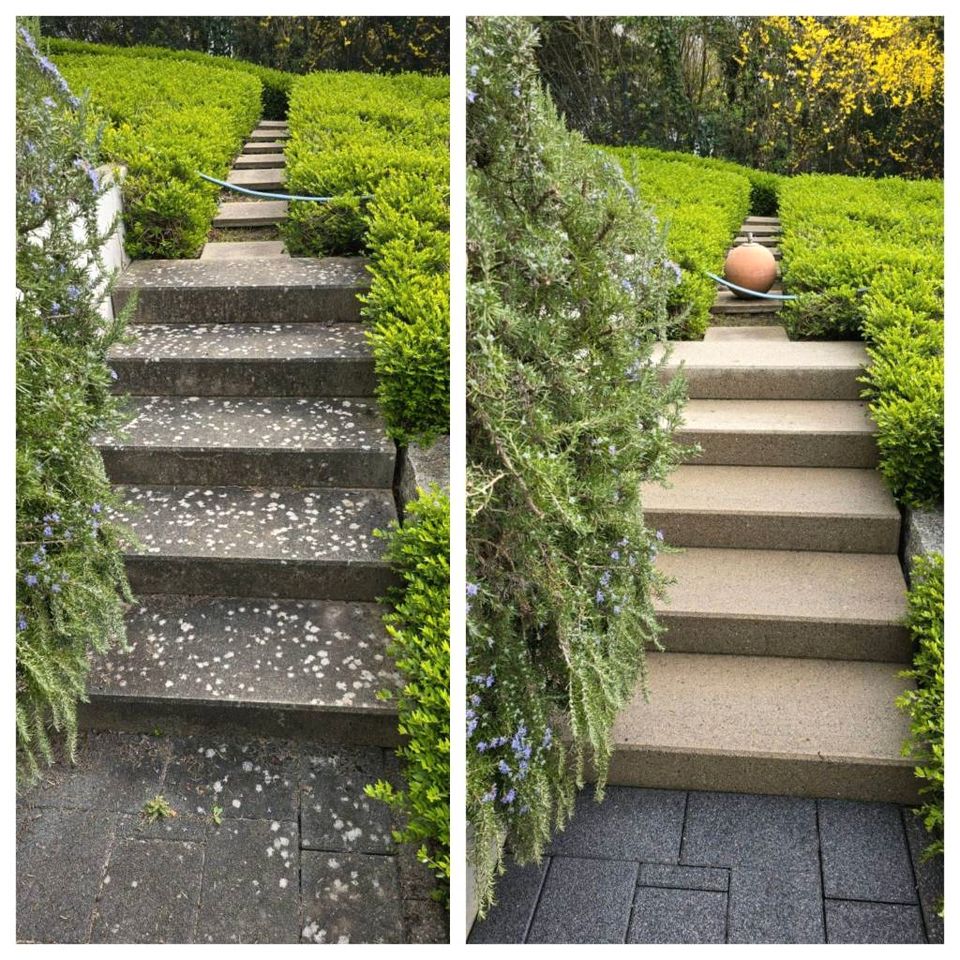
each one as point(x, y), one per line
point(354, 134)
point(276, 83)
point(165, 121)
point(866, 258)
point(703, 203)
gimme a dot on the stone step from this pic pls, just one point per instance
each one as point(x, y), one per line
point(259, 161)
point(760, 229)
point(776, 725)
point(261, 179)
point(728, 302)
point(781, 433)
point(763, 239)
point(739, 334)
point(297, 290)
point(307, 543)
point(267, 134)
point(766, 508)
point(758, 320)
point(770, 242)
point(250, 441)
point(770, 221)
point(245, 360)
point(272, 145)
point(275, 124)
point(756, 369)
point(233, 214)
point(244, 250)
point(305, 664)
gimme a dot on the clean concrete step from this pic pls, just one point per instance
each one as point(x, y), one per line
point(245, 359)
point(259, 161)
point(782, 603)
point(262, 134)
point(313, 543)
point(781, 433)
point(244, 250)
point(272, 145)
point(303, 662)
point(297, 290)
point(250, 440)
point(806, 727)
point(786, 508)
point(263, 179)
point(755, 369)
point(739, 334)
point(232, 214)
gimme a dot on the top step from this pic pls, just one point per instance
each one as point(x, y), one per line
point(275, 124)
point(269, 133)
point(295, 290)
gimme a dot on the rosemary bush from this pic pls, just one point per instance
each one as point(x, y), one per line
point(568, 284)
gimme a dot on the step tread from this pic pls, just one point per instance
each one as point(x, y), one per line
point(244, 250)
point(263, 146)
point(718, 334)
point(250, 423)
point(324, 525)
point(268, 133)
point(244, 341)
point(261, 178)
point(250, 213)
point(780, 585)
point(252, 652)
point(817, 710)
point(778, 416)
point(259, 161)
point(752, 353)
point(781, 491)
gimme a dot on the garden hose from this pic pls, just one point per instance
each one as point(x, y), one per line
point(271, 196)
point(753, 293)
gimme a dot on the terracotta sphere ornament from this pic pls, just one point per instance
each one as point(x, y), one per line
point(750, 265)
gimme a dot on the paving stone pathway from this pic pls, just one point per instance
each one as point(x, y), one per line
point(663, 866)
point(300, 853)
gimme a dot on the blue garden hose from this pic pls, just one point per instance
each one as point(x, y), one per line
point(271, 196)
point(752, 293)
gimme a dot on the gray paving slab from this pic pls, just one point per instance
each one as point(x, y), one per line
point(150, 893)
point(775, 904)
point(727, 829)
point(336, 815)
point(929, 874)
point(684, 878)
point(60, 859)
point(184, 825)
point(857, 922)
point(864, 851)
point(678, 916)
point(629, 824)
point(350, 898)
point(572, 882)
point(517, 893)
point(425, 921)
point(251, 883)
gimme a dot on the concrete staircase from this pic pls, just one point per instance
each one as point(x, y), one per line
point(253, 469)
point(784, 631)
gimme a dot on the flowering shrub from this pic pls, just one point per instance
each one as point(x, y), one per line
point(567, 289)
point(70, 576)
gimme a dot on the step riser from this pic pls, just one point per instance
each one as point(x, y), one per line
point(744, 305)
point(296, 579)
point(245, 378)
point(256, 468)
point(763, 637)
point(770, 384)
point(681, 770)
point(744, 531)
point(747, 319)
point(782, 450)
point(327, 304)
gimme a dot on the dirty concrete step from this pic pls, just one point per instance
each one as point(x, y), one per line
point(272, 145)
point(781, 433)
point(314, 543)
point(760, 229)
point(279, 124)
point(727, 303)
point(776, 334)
point(295, 290)
point(311, 666)
point(754, 369)
point(770, 242)
point(232, 214)
point(764, 239)
point(251, 441)
point(776, 725)
point(259, 161)
point(771, 221)
point(757, 320)
point(260, 179)
point(766, 508)
point(244, 250)
point(245, 360)
point(264, 133)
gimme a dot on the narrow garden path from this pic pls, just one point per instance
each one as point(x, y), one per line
point(252, 473)
point(732, 311)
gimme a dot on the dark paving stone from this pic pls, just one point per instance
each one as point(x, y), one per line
point(60, 859)
point(606, 885)
point(350, 898)
point(725, 829)
point(775, 904)
point(864, 850)
point(630, 824)
point(256, 781)
point(684, 878)
point(854, 922)
point(678, 916)
point(929, 875)
point(417, 881)
point(187, 827)
point(113, 772)
point(336, 813)
point(517, 892)
point(251, 884)
point(425, 921)
point(150, 893)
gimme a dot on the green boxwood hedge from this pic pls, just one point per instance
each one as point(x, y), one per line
point(354, 135)
point(866, 258)
point(165, 121)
